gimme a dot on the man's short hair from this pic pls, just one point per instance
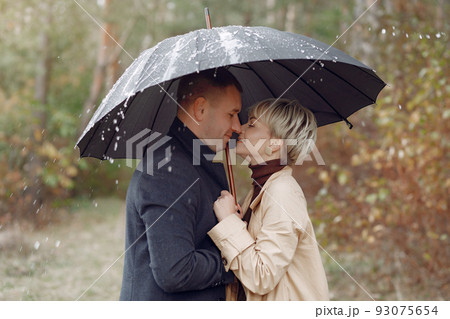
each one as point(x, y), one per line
point(194, 85)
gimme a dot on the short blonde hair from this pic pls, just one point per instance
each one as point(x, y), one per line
point(288, 119)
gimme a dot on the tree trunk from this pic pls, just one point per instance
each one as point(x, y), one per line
point(291, 17)
point(99, 71)
point(34, 197)
point(271, 14)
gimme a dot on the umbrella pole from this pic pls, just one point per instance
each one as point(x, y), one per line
point(227, 148)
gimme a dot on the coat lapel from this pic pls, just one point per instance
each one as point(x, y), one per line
point(285, 171)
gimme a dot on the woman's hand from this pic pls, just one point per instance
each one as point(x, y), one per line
point(225, 206)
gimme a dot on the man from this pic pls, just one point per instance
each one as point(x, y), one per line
point(169, 255)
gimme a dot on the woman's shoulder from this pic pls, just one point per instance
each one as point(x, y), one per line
point(284, 183)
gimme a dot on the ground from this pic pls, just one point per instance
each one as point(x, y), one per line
point(81, 257)
point(63, 260)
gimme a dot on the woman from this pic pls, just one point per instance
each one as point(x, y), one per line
point(276, 257)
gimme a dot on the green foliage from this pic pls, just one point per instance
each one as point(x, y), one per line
point(386, 193)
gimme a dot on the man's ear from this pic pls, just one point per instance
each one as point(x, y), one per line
point(200, 105)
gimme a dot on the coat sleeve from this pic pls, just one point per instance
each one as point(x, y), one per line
point(260, 263)
point(167, 206)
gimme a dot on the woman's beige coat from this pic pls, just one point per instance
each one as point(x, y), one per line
point(277, 258)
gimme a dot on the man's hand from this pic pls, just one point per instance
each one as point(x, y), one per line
point(225, 206)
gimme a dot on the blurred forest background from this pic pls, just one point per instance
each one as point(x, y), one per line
point(380, 205)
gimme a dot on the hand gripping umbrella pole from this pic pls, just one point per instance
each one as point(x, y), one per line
point(227, 148)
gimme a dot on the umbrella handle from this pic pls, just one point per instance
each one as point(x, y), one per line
point(230, 173)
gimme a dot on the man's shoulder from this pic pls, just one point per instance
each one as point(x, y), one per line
point(168, 160)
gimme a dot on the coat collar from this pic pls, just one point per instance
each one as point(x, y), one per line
point(285, 171)
point(200, 154)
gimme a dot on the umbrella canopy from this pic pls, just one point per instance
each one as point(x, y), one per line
point(268, 63)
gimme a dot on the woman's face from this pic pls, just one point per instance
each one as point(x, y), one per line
point(253, 140)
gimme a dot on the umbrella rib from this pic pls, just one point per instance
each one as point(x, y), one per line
point(260, 78)
point(92, 136)
point(372, 74)
point(350, 125)
point(124, 113)
point(341, 78)
point(160, 103)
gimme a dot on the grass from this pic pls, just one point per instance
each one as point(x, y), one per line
point(63, 261)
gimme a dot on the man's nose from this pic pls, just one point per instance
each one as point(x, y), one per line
point(236, 125)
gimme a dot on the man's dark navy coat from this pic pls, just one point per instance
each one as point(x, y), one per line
point(169, 255)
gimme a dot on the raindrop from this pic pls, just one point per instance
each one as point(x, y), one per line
point(383, 31)
point(393, 34)
point(169, 169)
point(420, 36)
point(57, 243)
point(111, 160)
point(407, 35)
point(36, 245)
point(438, 35)
point(115, 121)
point(117, 129)
point(428, 36)
point(270, 60)
point(363, 124)
point(399, 106)
point(115, 146)
point(391, 151)
point(117, 181)
point(95, 204)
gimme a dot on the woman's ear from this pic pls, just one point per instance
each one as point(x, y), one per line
point(275, 144)
point(199, 108)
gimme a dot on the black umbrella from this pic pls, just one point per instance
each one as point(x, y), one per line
point(268, 63)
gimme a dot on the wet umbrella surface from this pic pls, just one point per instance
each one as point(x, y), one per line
point(268, 63)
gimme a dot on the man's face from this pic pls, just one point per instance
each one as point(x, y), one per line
point(221, 117)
